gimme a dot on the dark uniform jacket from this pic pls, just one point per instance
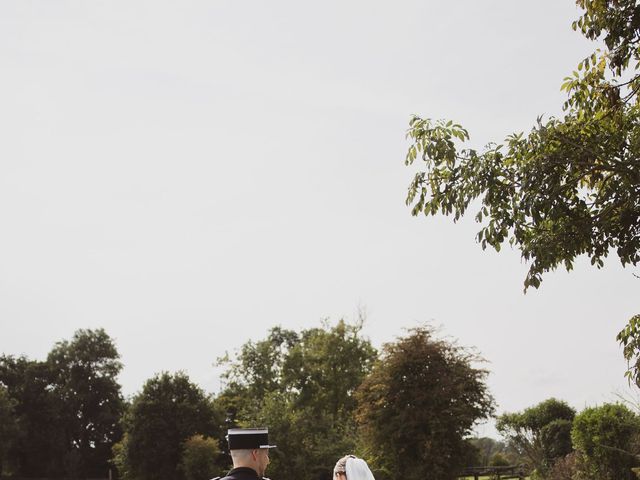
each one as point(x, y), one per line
point(241, 473)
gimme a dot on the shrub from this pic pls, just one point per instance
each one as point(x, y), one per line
point(605, 437)
point(499, 460)
point(540, 434)
point(199, 458)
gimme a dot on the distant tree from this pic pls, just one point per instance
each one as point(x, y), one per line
point(67, 408)
point(85, 372)
point(256, 371)
point(8, 428)
point(418, 404)
point(199, 458)
point(169, 410)
point(541, 433)
point(119, 458)
point(488, 447)
point(301, 385)
point(471, 456)
point(606, 438)
point(499, 460)
point(40, 446)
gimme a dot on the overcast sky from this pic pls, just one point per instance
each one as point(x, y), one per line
point(189, 174)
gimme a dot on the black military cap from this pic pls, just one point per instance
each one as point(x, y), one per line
point(248, 438)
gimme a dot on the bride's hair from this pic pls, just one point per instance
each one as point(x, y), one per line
point(354, 468)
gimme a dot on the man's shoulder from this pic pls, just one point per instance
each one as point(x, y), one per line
point(240, 473)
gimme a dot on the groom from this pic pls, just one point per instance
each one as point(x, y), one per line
point(249, 448)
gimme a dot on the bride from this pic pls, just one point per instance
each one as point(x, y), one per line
point(351, 467)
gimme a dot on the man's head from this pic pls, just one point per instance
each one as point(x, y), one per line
point(249, 447)
point(257, 459)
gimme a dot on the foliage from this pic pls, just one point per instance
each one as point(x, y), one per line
point(471, 454)
point(499, 460)
point(66, 409)
point(309, 439)
point(119, 458)
point(569, 187)
point(257, 370)
point(85, 372)
point(555, 438)
point(540, 433)
point(629, 338)
point(606, 438)
point(199, 458)
point(301, 385)
point(617, 24)
point(418, 404)
point(487, 447)
point(40, 446)
point(8, 427)
point(169, 410)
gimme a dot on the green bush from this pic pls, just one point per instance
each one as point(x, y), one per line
point(199, 458)
point(499, 460)
point(606, 439)
point(540, 434)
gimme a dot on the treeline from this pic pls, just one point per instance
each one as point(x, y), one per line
point(323, 392)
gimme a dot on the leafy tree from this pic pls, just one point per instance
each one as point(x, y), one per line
point(629, 338)
point(40, 446)
point(119, 458)
point(66, 409)
point(256, 371)
point(569, 187)
point(169, 410)
point(499, 460)
point(555, 438)
point(8, 427)
point(199, 458)
point(541, 433)
point(85, 372)
point(488, 447)
point(301, 385)
point(418, 404)
point(471, 455)
point(606, 438)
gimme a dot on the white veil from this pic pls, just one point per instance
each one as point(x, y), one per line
point(357, 469)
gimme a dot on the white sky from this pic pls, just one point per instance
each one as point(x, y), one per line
point(189, 174)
